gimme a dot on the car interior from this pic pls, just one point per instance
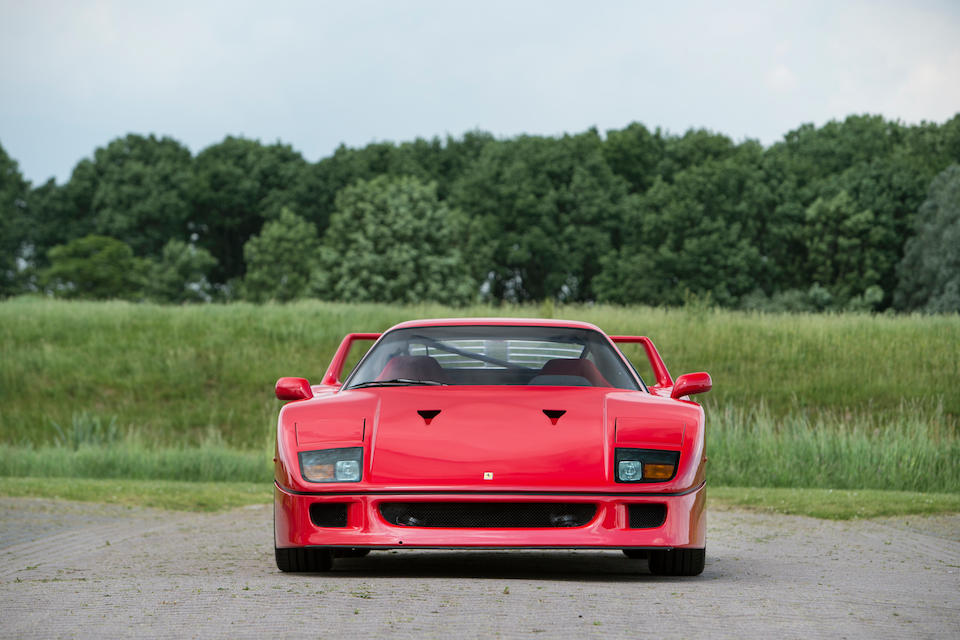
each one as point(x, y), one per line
point(571, 372)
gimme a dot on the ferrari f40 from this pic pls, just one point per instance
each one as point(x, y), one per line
point(490, 434)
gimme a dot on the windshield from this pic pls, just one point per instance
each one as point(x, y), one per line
point(493, 355)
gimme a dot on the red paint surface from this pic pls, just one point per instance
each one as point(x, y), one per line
point(650, 433)
point(332, 376)
point(293, 389)
point(656, 362)
point(691, 383)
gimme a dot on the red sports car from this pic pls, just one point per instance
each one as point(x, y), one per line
point(491, 433)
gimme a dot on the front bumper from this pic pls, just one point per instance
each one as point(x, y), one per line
point(684, 525)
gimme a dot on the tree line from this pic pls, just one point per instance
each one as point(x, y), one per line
point(861, 214)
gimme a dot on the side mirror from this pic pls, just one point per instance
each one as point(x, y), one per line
point(691, 383)
point(293, 389)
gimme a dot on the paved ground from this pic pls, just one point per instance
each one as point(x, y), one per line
point(91, 571)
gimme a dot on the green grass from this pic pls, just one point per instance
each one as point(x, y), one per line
point(161, 494)
point(217, 496)
point(834, 504)
point(177, 375)
point(204, 463)
point(910, 448)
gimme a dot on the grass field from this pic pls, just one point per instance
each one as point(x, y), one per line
point(121, 390)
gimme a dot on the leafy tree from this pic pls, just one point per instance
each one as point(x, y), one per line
point(812, 153)
point(929, 275)
point(695, 147)
point(698, 235)
point(635, 154)
point(142, 191)
point(883, 167)
point(239, 185)
point(281, 259)
point(818, 220)
point(428, 160)
point(813, 163)
point(543, 212)
point(392, 240)
point(94, 267)
point(13, 223)
point(628, 276)
point(180, 275)
point(347, 166)
point(61, 213)
point(844, 247)
point(892, 188)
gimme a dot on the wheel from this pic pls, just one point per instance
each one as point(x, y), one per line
point(351, 553)
point(636, 554)
point(302, 560)
point(677, 562)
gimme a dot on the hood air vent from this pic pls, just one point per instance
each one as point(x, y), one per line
point(554, 414)
point(428, 414)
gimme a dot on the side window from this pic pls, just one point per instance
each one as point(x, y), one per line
point(637, 356)
point(357, 350)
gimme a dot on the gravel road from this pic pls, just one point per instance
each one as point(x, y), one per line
point(98, 571)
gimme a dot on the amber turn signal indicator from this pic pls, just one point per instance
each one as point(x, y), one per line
point(318, 471)
point(657, 471)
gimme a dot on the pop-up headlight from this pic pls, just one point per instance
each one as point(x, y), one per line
point(332, 465)
point(645, 465)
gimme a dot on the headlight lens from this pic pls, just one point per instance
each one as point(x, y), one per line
point(629, 470)
point(332, 465)
point(645, 465)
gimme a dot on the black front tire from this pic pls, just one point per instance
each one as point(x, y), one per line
point(636, 554)
point(678, 562)
point(300, 560)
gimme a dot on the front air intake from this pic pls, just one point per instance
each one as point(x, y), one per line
point(647, 516)
point(488, 515)
point(328, 514)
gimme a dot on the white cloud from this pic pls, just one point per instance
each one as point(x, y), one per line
point(781, 79)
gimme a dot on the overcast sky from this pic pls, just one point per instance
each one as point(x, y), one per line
point(74, 74)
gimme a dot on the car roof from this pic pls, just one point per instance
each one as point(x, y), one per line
point(498, 322)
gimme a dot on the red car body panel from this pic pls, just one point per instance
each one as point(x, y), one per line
point(492, 445)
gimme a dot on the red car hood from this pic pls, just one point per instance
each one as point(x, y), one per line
point(490, 436)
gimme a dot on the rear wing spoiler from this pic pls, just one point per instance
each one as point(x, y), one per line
point(334, 371)
point(332, 376)
point(656, 362)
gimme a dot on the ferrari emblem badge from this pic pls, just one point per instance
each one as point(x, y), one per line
point(488, 475)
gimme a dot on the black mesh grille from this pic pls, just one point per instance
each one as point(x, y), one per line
point(327, 514)
point(647, 516)
point(488, 515)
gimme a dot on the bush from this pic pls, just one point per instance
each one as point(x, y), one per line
point(181, 274)
point(392, 240)
point(279, 260)
point(93, 267)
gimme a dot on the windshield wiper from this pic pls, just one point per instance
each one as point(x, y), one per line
point(396, 382)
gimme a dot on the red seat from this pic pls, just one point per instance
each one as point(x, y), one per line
point(575, 367)
point(413, 368)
